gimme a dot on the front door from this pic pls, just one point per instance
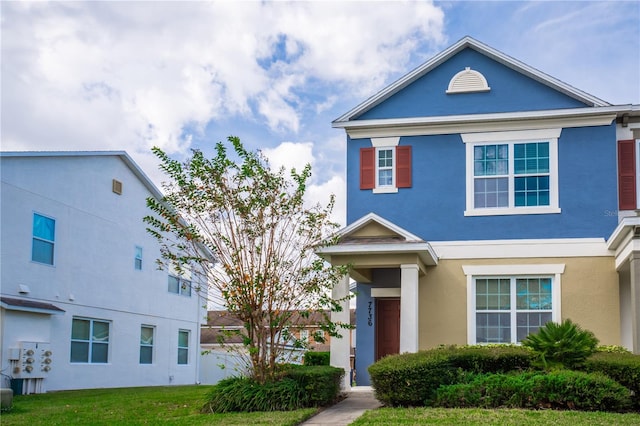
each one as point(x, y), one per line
point(387, 327)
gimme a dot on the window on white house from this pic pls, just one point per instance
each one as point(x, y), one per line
point(146, 344)
point(183, 347)
point(89, 341)
point(137, 262)
point(44, 235)
point(179, 285)
point(512, 172)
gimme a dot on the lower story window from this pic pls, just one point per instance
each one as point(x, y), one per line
point(508, 309)
point(505, 303)
point(146, 344)
point(89, 341)
point(183, 347)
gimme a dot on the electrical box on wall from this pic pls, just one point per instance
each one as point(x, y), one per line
point(34, 361)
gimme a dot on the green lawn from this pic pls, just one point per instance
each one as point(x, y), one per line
point(133, 406)
point(449, 416)
point(181, 404)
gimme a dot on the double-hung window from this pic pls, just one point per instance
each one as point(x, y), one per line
point(44, 235)
point(183, 347)
point(89, 341)
point(506, 303)
point(385, 166)
point(512, 172)
point(146, 344)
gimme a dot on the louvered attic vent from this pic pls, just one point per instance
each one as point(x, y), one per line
point(116, 186)
point(468, 81)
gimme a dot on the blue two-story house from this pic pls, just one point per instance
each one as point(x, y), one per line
point(484, 199)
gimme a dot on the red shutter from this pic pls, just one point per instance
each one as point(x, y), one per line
point(627, 175)
point(367, 168)
point(403, 166)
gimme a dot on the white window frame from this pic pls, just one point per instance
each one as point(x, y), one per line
point(52, 242)
point(304, 335)
point(137, 261)
point(147, 345)
point(553, 271)
point(385, 144)
point(511, 138)
point(183, 348)
point(90, 342)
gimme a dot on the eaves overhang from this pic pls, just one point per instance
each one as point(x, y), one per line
point(469, 123)
point(625, 240)
point(469, 42)
point(423, 250)
point(33, 306)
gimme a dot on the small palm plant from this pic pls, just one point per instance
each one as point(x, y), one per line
point(564, 345)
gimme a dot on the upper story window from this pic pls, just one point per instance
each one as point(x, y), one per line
point(512, 172)
point(89, 341)
point(137, 261)
point(44, 235)
point(385, 166)
point(179, 285)
point(508, 302)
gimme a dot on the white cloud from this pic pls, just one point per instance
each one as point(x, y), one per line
point(290, 155)
point(113, 75)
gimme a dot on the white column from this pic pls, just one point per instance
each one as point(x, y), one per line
point(341, 346)
point(634, 284)
point(409, 308)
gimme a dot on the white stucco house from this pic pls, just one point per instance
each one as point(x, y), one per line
point(83, 304)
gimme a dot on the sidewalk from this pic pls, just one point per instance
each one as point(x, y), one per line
point(359, 400)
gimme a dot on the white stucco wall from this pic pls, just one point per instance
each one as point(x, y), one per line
point(93, 275)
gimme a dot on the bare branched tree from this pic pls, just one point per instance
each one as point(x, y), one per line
point(255, 222)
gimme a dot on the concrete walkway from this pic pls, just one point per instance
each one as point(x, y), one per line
point(358, 400)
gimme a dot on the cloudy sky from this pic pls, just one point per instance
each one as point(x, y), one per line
point(123, 75)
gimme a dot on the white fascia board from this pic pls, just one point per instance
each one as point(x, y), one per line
point(518, 249)
point(498, 56)
point(607, 112)
point(622, 231)
point(424, 250)
point(372, 217)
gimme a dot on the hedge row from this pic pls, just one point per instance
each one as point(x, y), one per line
point(317, 358)
point(561, 389)
point(411, 379)
point(300, 387)
point(624, 368)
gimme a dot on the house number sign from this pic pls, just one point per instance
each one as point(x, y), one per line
point(369, 320)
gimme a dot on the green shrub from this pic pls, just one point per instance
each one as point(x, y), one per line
point(490, 358)
point(300, 387)
point(411, 379)
point(562, 345)
point(624, 368)
point(245, 394)
point(317, 358)
point(562, 389)
point(320, 384)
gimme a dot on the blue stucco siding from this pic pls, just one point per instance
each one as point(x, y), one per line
point(510, 91)
point(433, 208)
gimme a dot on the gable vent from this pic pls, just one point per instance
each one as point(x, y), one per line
point(116, 186)
point(468, 81)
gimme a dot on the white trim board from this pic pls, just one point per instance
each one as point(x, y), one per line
point(515, 249)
